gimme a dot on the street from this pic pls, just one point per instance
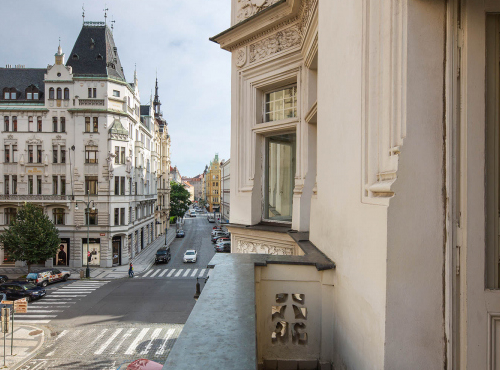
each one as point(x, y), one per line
point(102, 324)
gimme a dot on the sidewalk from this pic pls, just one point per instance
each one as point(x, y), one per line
point(27, 340)
point(143, 261)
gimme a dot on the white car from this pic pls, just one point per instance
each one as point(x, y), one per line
point(190, 256)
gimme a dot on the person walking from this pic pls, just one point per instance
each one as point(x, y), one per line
point(131, 270)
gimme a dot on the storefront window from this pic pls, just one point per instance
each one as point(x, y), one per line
point(92, 252)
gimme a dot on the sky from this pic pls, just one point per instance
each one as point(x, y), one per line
point(168, 37)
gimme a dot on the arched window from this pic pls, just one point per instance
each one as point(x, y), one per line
point(66, 94)
point(51, 93)
point(59, 93)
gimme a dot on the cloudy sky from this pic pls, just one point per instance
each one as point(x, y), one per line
point(170, 36)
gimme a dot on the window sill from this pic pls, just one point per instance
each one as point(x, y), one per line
point(289, 123)
point(90, 132)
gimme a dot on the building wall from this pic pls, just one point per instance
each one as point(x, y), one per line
point(225, 189)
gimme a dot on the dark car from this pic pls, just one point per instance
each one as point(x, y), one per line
point(47, 276)
point(179, 234)
point(162, 255)
point(3, 279)
point(223, 247)
point(19, 289)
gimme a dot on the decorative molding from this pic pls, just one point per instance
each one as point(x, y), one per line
point(248, 8)
point(276, 43)
point(244, 246)
point(306, 14)
point(241, 57)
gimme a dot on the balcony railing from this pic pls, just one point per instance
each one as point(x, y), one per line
point(87, 102)
point(33, 197)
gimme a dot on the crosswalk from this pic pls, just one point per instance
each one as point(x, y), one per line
point(58, 299)
point(175, 273)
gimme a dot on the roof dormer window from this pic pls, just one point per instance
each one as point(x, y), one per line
point(31, 93)
point(10, 93)
point(98, 57)
point(75, 56)
point(92, 44)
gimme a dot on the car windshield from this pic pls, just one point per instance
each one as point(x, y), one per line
point(32, 275)
point(161, 252)
point(189, 253)
point(28, 286)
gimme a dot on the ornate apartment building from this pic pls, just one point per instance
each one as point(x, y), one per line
point(213, 181)
point(225, 190)
point(365, 172)
point(75, 133)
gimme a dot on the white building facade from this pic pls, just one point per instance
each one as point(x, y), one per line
point(74, 133)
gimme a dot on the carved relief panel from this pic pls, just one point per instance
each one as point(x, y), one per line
point(247, 8)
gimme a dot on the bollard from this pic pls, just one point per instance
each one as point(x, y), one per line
point(82, 274)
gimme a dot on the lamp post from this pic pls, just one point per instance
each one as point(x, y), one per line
point(87, 204)
point(198, 287)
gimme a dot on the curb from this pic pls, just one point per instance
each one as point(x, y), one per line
point(35, 351)
point(152, 263)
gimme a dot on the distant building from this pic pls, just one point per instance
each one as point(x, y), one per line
point(225, 189)
point(190, 189)
point(213, 185)
point(197, 183)
point(175, 175)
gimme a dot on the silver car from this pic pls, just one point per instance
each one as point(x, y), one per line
point(190, 256)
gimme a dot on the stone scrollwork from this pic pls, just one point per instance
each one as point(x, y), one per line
point(260, 248)
point(247, 8)
point(273, 44)
point(241, 57)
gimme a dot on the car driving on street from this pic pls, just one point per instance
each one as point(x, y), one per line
point(20, 289)
point(162, 255)
point(47, 276)
point(179, 234)
point(190, 256)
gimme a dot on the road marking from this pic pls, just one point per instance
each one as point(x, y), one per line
point(194, 272)
point(66, 292)
point(156, 272)
point(125, 336)
point(33, 321)
point(62, 334)
point(53, 301)
point(94, 341)
point(201, 273)
point(78, 288)
point(161, 350)
point(186, 273)
point(29, 315)
point(171, 272)
point(131, 348)
point(155, 335)
point(147, 273)
point(65, 295)
point(163, 273)
point(178, 273)
point(108, 342)
point(43, 311)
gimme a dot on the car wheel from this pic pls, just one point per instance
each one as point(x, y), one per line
point(44, 283)
point(65, 278)
point(28, 298)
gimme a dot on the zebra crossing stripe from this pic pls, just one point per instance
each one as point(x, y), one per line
point(201, 273)
point(155, 273)
point(186, 273)
point(94, 341)
point(178, 273)
point(155, 335)
point(132, 347)
point(161, 350)
point(125, 336)
point(163, 273)
point(147, 273)
point(194, 272)
point(171, 272)
point(62, 334)
point(108, 342)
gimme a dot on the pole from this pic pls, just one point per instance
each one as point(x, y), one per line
point(12, 335)
point(166, 229)
point(87, 271)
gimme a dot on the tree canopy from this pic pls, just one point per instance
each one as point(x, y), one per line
point(179, 199)
point(31, 236)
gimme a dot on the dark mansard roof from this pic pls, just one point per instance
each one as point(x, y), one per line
point(20, 79)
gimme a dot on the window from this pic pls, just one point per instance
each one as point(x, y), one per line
point(63, 185)
point(122, 155)
point(39, 185)
point(38, 154)
point(30, 153)
point(13, 94)
point(14, 123)
point(63, 154)
point(63, 124)
point(7, 154)
point(122, 185)
point(96, 124)
point(87, 124)
point(6, 123)
point(91, 185)
point(117, 154)
point(117, 185)
point(6, 94)
point(39, 124)
point(117, 216)
point(91, 154)
point(29, 96)
point(116, 93)
point(10, 215)
point(14, 153)
point(54, 124)
point(6, 184)
point(30, 123)
point(35, 96)
point(122, 216)
point(281, 104)
point(54, 154)
point(30, 184)
point(51, 93)
point(58, 216)
point(92, 92)
point(279, 177)
point(14, 184)
point(59, 93)
point(54, 185)
point(91, 217)
point(66, 94)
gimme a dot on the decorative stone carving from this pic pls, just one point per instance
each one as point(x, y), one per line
point(273, 44)
point(241, 57)
point(129, 164)
point(247, 8)
point(252, 247)
point(10, 136)
point(110, 160)
point(91, 143)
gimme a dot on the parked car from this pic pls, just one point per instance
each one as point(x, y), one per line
point(47, 276)
point(190, 256)
point(219, 234)
point(21, 289)
point(192, 213)
point(211, 219)
point(3, 278)
point(222, 239)
point(179, 234)
point(163, 255)
point(224, 247)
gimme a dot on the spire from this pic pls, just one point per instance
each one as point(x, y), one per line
point(135, 74)
point(59, 55)
point(156, 101)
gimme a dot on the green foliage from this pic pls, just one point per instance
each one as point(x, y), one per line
point(31, 236)
point(202, 203)
point(179, 199)
point(172, 220)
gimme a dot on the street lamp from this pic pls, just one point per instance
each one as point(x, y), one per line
point(87, 204)
point(198, 287)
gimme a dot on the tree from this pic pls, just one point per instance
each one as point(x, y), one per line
point(31, 236)
point(179, 199)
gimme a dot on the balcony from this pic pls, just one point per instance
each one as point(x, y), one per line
point(33, 197)
point(275, 310)
point(91, 102)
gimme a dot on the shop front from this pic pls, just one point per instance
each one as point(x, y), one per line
point(62, 255)
point(91, 252)
point(117, 250)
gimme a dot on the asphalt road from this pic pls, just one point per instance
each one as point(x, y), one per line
point(100, 325)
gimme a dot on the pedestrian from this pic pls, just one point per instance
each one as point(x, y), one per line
point(131, 270)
